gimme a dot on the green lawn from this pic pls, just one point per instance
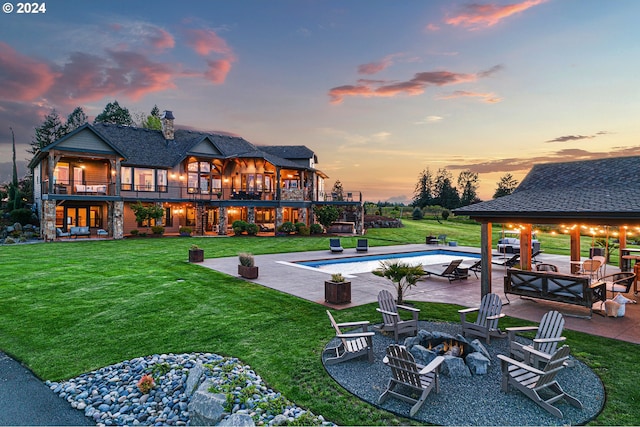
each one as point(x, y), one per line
point(69, 308)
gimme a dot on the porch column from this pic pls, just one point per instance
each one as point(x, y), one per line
point(485, 253)
point(222, 222)
point(525, 247)
point(575, 248)
point(48, 220)
point(251, 215)
point(118, 220)
point(279, 216)
point(302, 216)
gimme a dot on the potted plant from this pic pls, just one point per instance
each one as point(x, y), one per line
point(184, 231)
point(219, 194)
point(337, 290)
point(247, 267)
point(196, 254)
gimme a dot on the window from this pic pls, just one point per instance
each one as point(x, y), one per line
point(144, 179)
point(199, 177)
point(61, 173)
point(161, 175)
point(126, 173)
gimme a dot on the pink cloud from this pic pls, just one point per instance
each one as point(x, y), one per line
point(161, 39)
point(217, 70)
point(415, 86)
point(475, 15)
point(489, 98)
point(206, 41)
point(22, 78)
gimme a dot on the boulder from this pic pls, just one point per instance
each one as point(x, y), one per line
point(193, 380)
point(206, 408)
point(478, 364)
point(422, 355)
point(478, 346)
point(240, 420)
point(455, 367)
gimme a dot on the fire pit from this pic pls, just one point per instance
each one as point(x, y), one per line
point(461, 357)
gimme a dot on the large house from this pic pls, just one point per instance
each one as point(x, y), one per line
point(205, 181)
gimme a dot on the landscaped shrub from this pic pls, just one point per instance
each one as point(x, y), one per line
point(23, 216)
point(287, 227)
point(252, 229)
point(316, 229)
point(298, 225)
point(185, 231)
point(134, 232)
point(246, 259)
point(445, 214)
point(239, 227)
point(304, 231)
point(417, 214)
point(9, 241)
point(157, 229)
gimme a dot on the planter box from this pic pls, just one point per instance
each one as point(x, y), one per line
point(196, 255)
point(337, 293)
point(248, 272)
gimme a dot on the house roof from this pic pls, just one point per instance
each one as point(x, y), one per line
point(603, 191)
point(146, 147)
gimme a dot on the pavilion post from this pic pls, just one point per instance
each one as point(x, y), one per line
point(485, 253)
point(525, 247)
point(575, 249)
point(622, 238)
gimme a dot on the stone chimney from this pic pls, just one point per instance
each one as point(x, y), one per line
point(167, 125)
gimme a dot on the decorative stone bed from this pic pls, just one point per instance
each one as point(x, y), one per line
point(471, 399)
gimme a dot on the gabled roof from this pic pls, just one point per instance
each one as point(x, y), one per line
point(146, 147)
point(600, 191)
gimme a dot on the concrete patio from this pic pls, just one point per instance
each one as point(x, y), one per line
point(308, 283)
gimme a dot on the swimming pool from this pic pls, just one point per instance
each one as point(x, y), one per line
point(368, 263)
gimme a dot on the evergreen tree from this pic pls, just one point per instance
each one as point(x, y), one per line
point(446, 195)
point(15, 199)
point(506, 185)
point(51, 129)
point(468, 181)
point(76, 119)
point(423, 194)
point(153, 120)
point(113, 113)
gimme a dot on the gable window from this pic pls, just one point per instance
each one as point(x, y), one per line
point(202, 177)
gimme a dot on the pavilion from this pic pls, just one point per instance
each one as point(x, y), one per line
point(591, 193)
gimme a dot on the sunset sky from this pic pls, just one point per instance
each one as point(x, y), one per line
point(380, 90)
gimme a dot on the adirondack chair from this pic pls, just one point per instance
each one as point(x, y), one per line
point(450, 271)
point(391, 320)
point(534, 382)
point(407, 377)
point(351, 345)
point(335, 246)
point(362, 246)
point(486, 324)
point(545, 343)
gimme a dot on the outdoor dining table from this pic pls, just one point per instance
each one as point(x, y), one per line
point(627, 257)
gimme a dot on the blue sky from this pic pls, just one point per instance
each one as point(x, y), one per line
point(380, 90)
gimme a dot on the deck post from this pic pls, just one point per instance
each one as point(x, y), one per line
point(525, 247)
point(575, 248)
point(485, 253)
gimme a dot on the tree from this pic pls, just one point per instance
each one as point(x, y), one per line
point(144, 214)
point(445, 194)
point(423, 194)
point(506, 185)
point(337, 193)
point(402, 275)
point(76, 119)
point(326, 214)
point(51, 129)
point(15, 198)
point(468, 181)
point(113, 113)
point(153, 120)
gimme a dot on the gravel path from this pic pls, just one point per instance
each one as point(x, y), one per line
point(477, 400)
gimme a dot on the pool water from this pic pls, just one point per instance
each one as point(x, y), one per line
point(368, 263)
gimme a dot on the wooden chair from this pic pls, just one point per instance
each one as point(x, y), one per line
point(408, 380)
point(486, 324)
point(590, 267)
point(362, 245)
point(335, 246)
point(534, 382)
point(391, 320)
point(450, 271)
point(351, 345)
point(548, 336)
point(619, 282)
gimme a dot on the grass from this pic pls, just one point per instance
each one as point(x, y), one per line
point(69, 308)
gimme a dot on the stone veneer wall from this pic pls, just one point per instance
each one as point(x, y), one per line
point(48, 220)
point(251, 215)
point(222, 223)
point(117, 220)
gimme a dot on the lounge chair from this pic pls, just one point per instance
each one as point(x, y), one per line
point(547, 267)
point(450, 271)
point(486, 323)
point(351, 345)
point(335, 246)
point(548, 336)
point(515, 259)
point(619, 282)
point(391, 320)
point(408, 380)
point(363, 245)
point(476, 267)
point(535, 383)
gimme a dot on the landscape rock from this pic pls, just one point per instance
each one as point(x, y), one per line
point(206, 408)
point(477, 363)
point(240, 420)
point(195, 374)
